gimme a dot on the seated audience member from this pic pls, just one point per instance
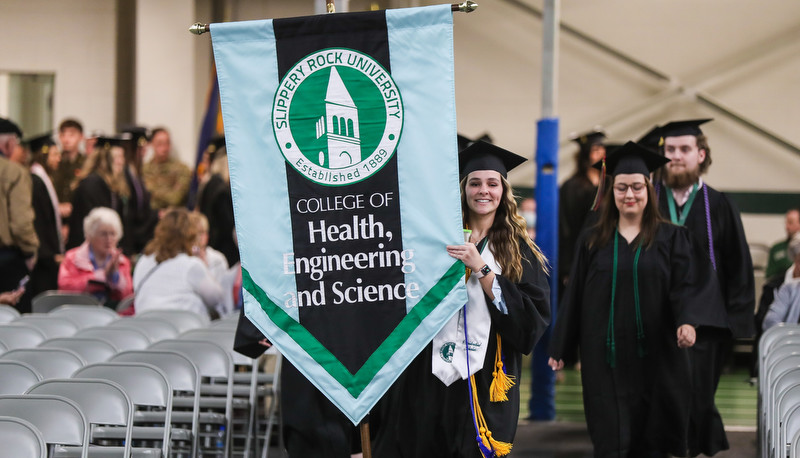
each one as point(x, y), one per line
point(97, 266)
point(785, 307)
point(216, 261)
point(779, 259)
point(168, 276)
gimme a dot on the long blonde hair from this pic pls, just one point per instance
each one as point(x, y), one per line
point(99, 162)
point(508, 228)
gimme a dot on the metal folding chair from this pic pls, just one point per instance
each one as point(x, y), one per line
point(85, 316)
point(146, 385)
point(49, 362)
point(59, 419)
point(51, 326)
point(214, 364)
point(8, 313)
point(121, 338)
point(20, 438)
point(102, 402)
point(49, 300)
point(16, 377)
point(20, 336)
point(184, 377)
point(154, 329)
point(91, 350)
point(184, 320)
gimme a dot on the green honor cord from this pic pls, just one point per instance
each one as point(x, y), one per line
point(673, 213)
point(611, 346)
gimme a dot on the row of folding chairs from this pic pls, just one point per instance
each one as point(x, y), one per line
point(779, 392)
point(223, 392)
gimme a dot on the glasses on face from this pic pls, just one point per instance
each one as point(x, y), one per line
point(622, 188)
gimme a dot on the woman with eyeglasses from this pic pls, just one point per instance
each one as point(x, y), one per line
point(632, 309)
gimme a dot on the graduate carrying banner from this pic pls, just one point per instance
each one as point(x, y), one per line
point(341, 138)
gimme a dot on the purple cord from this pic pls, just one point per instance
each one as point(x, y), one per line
point(484, 451)
point(708, 225)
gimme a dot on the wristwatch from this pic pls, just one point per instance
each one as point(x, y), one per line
point(484, 271)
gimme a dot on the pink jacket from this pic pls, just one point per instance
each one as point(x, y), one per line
point(76, 270)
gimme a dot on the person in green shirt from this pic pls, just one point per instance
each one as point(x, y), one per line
point(778, 260)
point(166, 178)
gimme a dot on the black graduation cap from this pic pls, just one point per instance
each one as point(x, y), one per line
point(611, 147)
point(652, 139)
point(592, 137)
point(40, 143)
point(686, 127)
point(139, 134)
point(482, 155)
point(632, 158)
point(104, 141)
point(9, 127)
point(464, 141)
point(216, 143)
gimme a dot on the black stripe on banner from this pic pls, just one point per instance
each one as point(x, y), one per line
point(347, 239)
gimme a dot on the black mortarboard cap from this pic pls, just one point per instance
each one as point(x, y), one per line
point(632, 158)
point(486, 156)
point(8, 126)
point(594, 136)
point(652, 139)
point(611, 147)
point(104, 141)
point(138, 133)
point(40, 143)
point(686, 127)
point(464, 141)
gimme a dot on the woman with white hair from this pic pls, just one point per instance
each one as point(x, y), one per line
point(97, 266)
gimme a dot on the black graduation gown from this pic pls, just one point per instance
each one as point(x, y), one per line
point(312, 425)
point(45, 274)
point(139, 217)
point(92, 192)
point(576, 197)
point(731, 252)
point(420, 416)
point(736, 282)
point(642, 404)
point(216, 203)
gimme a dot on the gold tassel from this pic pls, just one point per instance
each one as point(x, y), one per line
point(499, 448)
point(501, 382)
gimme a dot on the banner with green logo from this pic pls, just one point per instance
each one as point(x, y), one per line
point(341, 137)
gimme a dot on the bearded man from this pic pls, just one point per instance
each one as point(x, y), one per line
point(714, 221)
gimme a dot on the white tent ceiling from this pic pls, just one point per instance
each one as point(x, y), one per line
point(742, 54)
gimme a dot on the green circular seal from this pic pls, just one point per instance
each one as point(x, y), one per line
point(447, 350)
point(337, 116)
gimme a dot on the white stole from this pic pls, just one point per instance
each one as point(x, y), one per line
point(449, 361)
point(40, 172)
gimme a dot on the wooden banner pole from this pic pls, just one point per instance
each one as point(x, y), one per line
point(366, 444)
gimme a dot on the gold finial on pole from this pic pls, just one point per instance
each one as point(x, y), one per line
point(465, 7)
point(198, 28)
point(330, 5)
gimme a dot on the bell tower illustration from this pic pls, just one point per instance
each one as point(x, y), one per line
point(339, 126)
